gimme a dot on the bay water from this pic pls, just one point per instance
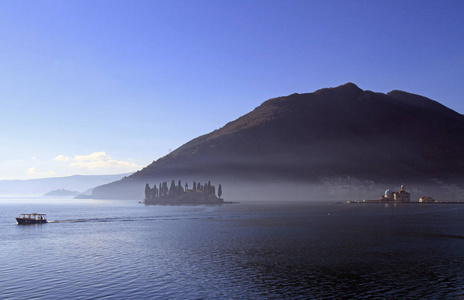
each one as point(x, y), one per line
point(103, 249)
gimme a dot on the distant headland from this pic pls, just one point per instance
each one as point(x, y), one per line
point(61, 193)
point(177, 194)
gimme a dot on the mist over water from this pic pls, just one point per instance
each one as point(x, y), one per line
point(336, 188)
point(125, 250)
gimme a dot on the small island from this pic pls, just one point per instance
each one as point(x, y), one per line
point(61, 193)
point(402, 196)
point(179, 195)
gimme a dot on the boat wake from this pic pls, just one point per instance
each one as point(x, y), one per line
point(95, 220)
point(132, 219)
point(126, 219)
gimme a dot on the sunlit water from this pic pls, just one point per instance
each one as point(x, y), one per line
point(125, 250)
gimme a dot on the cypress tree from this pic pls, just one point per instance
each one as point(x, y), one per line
point(219, 191)
point(165, 189)
point(180, 189)
point(147, 191)
point(172, 189)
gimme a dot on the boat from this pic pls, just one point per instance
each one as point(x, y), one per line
point(32, 218)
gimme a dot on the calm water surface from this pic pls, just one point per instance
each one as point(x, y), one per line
point(125, 250)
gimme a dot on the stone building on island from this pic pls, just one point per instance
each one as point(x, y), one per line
point(427, 199)
point(400, 196)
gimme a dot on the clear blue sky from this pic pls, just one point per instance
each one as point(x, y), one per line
point(100, 87)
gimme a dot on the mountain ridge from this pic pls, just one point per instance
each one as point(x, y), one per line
point(340, 131)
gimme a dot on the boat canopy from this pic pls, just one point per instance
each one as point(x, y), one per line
point(32, 216)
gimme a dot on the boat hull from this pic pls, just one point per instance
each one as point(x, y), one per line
point(25, 221)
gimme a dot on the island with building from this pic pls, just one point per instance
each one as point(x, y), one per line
point(390, 196)
point(402, 196)
point(177, 194)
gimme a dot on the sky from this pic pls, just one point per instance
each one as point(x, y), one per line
point(108, 86)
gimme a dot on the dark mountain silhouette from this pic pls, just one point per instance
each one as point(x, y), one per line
point(342, 131)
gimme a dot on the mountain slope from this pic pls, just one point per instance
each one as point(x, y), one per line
point(342, 131)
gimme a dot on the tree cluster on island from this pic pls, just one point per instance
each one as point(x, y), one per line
point(178, 194)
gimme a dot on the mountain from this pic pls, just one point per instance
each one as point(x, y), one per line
point(38, 187)
point(304, 138)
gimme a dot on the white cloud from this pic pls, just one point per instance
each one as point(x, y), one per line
point(33, 171)
point(62, 158)
point(98, 160)
point(96, 156)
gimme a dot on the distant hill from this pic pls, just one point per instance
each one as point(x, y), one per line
point(303, 138)
point(38, 187)
point(62, 193)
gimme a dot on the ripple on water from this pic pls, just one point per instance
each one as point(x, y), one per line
point(282, 252)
